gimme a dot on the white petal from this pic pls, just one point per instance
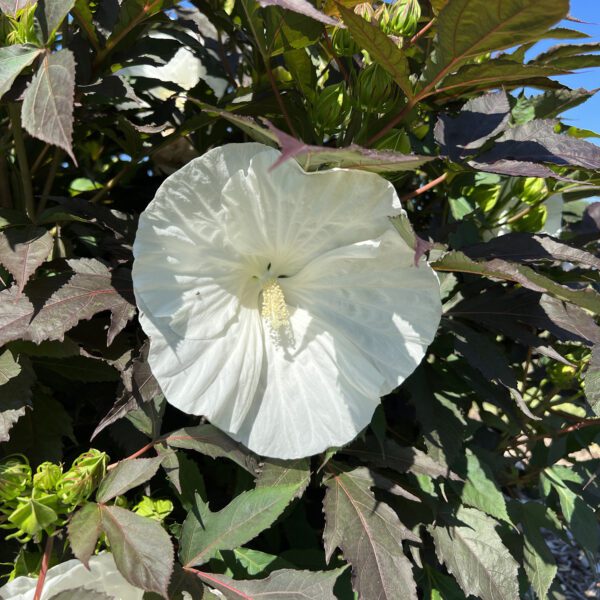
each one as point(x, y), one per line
point(321, 393)
point(216, 378)
point(292, 216)
point(373, 296)
point(184, 266)
point(102, 577)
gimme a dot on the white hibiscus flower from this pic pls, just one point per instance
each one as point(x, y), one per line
point(72, 576)
point(280, 304)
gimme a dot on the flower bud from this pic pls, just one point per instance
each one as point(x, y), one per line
point(47, 476)
point(365, 10)
point(86, 472)
point(375, 89)
point(343, 44)
point(401, 18)
point(15, 477)
point(34, 515)
point(331, 107)
point(158, 510)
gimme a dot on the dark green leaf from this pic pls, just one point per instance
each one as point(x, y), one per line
point(491, 74)
point(142, 548)
point(212, 442)
point(48, 101)
point(399, 458)
point(127, 475)
point(13, 59)
point(286, 584)
point(370, 535)
point(22, 251)
point(480, 490)
point(84, 530)
point(459, 262)
point(380, 47)
point(474, 553)
point(469, 28)
point(285, 472)
point(205, 533)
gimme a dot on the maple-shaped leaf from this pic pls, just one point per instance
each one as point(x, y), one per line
point(369, 534)
point(51, 306)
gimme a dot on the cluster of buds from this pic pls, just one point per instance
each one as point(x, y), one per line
point(36, 503)
point(401, 18)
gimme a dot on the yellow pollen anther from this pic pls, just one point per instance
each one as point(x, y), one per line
point(274, 309)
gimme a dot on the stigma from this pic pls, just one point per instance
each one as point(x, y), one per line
point(274, 309)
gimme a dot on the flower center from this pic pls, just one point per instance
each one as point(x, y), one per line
point(274, 308)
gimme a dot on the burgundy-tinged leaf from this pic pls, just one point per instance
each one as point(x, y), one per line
point(15, 397)
point(212, 442)
point(479, 120)
point(22, 251)
point(485, 356)
point(126, 475)
point(47, 112)
point(592, 381)
point(369, 533)
point(526, 247)
point(304, 8)
point(516, 168)
point(537, 141)
point(288, 584)
point(51, 306)
point(84, 529)
point(142, 549)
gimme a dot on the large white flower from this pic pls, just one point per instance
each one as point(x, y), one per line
point(102, 577)
point(280, 304)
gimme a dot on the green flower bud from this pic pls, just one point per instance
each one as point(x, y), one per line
point(365, 10)
point(401, 18)
point(158, 510)
point(86, 472)
point(34, 515)
point(15, 477)
point(343, 44)
point(375, 89)
point(47, 476)
point(331, 107)
point(534, 190)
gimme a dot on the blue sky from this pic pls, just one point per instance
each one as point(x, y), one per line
point(587, 115)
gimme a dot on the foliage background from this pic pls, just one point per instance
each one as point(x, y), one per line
point(488, 449)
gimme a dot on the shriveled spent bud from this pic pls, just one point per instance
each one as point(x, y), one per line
point(331, 107)
point(86, 472)
point(375, 89)
point(401, 18)
point(15, 477)
point(46, 477)
point(343, 44)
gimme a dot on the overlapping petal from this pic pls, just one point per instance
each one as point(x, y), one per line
point(72, 576)
point(361, 314)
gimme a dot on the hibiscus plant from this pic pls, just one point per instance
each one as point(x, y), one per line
point(298, 300)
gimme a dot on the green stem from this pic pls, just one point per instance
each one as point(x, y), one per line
point(15, 120)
